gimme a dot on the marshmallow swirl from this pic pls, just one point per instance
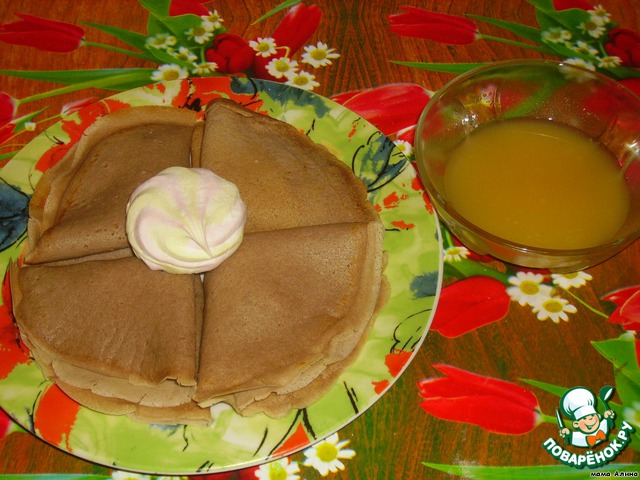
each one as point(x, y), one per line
point(185, 220)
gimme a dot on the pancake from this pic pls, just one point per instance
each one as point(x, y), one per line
point(277, 405)
point(285, 305)
point(269, 330)
point(116, 319)
point(78, 207)
point(186, 414)
point(285, 179)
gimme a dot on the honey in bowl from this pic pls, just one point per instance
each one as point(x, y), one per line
point(537, 183)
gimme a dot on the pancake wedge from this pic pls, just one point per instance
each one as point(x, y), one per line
point(285, 179)
point(185, 414)
point(285, 305)
point(277, 405)
point(78, 207)
point(112, 325)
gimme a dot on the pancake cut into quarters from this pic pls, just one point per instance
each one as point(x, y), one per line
point(268, 331)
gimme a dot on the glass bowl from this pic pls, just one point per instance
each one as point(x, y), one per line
point(519, 202)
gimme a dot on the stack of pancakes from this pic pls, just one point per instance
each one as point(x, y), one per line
point(269, 330)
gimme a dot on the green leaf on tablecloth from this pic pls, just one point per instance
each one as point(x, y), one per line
point(524, 31)
point(282, 6)
point(133, 39)
point(21, 123)
point(155, 26)
point(560, 49)
point(163, 56)
point(547, 387)
point(549, 17)
point(72, 77)
point(621, 72)
point(181, 24)
point(554, 472)
point(160, 22)
point(621, 352)
point(629, 393)
point(455, 68)
point(157, 7)
point(470, 268)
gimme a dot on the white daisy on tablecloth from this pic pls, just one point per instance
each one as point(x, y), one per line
point(610, 61)
point(326, 455)
point(169, 71)
point(279, 470)
point(281, 67)
point(556, 35)
point(319, 55)
point(528, 288)
point(599, 14)
point(568, 280)
point(579, 62)
point(263, 46)
point(584, 48)
point(455, 253)
point(405, 147)
point(555, 308)
point(214, 18)
point(204, 68)
point(593, 27)
point(575, 74)
point(161, 41)
point(202, 33)
point(302, 79)
point(184, 54)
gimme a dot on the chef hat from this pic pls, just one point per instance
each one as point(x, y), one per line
point(578, 403)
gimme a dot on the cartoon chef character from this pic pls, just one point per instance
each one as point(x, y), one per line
point(579, 404)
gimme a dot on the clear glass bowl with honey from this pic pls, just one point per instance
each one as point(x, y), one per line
point(534, 162)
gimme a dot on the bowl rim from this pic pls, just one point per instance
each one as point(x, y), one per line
point(613, 246)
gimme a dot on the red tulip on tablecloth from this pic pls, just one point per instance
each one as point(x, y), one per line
point(567, 4)
point(8, 108)
point(391, 108)
point(42, 33)
point(492, 404)
point(231, 53)
point(627, 313)
point(439, 27)
point(185, 7)
point(624, 43)
point(468, 304)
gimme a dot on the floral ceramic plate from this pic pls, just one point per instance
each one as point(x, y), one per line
point(232, 441)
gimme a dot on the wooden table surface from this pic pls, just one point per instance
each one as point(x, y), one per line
point(396, 436)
